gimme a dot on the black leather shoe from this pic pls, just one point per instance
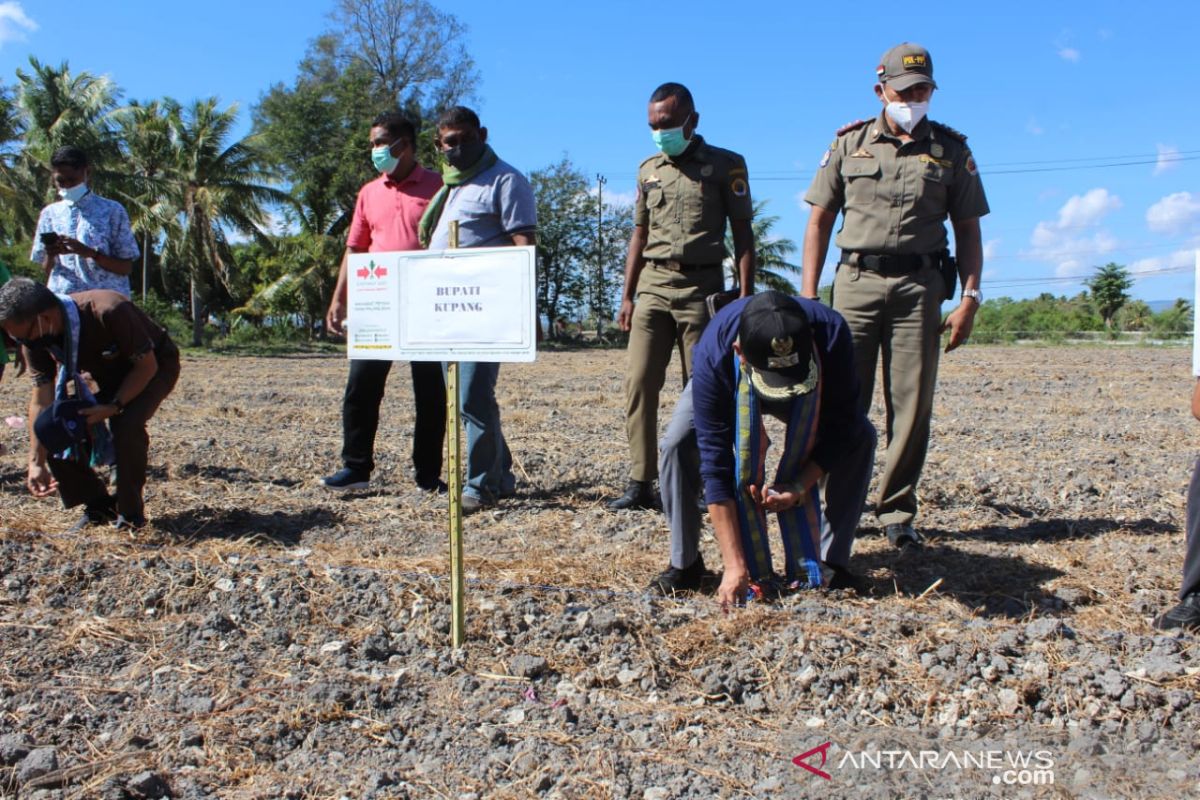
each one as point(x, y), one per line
point(638, 494)
point(903, 535)
point(98, 512)
point(1186, 615)
point(674, 580)
point(845, 579)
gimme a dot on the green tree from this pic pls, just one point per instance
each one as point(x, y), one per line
point(217, 187)
point(566, 238)
point(771, 265)
point(145, 135)
point(1134, 316)
point(18, 193)
point(296, 277)
point(1110, 290)
point(1175, 321)
point(52, 107)
point(415, 52)
point(377, 55)
point(314, 134)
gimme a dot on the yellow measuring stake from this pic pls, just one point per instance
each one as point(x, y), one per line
point(458, 622)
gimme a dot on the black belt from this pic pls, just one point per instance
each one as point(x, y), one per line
point(680, 266)
point(888, 264)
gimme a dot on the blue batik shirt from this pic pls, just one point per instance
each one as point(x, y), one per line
point(99, 223)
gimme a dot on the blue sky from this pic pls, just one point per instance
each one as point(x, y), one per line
point(1057, 98)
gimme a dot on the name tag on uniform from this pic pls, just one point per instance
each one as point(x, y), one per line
point(939, 161)
point(862, 152)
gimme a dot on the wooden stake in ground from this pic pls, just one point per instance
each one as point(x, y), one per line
point(458, 626)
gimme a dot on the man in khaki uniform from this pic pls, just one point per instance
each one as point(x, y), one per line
point(685, 195)
point(896, 179)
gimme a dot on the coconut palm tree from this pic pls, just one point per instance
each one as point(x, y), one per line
point(61, 108)
point(217, 188)
point(145, 134)
point(771, 256)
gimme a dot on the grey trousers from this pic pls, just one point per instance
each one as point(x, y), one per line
point(1191, 561)
point(680, 485)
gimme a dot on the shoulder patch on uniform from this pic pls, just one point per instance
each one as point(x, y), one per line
point(972, 168)
point(739, 187)
point(946, 129)
point(858, 123)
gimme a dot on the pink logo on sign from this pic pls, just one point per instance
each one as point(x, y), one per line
point(802, 760)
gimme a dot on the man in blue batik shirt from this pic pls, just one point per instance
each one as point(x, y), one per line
point(83, 240)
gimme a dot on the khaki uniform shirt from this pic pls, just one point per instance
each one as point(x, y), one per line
point(683, 202)
point(895, 196)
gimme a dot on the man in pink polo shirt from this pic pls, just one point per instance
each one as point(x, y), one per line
point(385, 220)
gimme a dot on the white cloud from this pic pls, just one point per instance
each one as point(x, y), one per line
point(1175, 213)
point(14, 22)
point(990, 249)
point(1085, 210)
point(1180, 259)
point(1073, 254)
point(1034, 127)
point(1064, 49)
point(1168, 159)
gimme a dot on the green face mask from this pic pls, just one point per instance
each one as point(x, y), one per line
point(383, 159)
point(671, 140)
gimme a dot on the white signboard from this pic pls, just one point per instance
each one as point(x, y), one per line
point(475, 304)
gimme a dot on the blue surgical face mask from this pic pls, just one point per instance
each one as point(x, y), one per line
point(383, 159)
point(671, 141)
point(73, 194)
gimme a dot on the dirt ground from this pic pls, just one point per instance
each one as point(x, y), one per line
point(266, 639)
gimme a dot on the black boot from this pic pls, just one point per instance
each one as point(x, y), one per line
point(674, 580)
point(638, 494)
point(1186, 615)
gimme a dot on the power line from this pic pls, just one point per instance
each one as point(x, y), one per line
point(1027, 167)
point(1066, 279)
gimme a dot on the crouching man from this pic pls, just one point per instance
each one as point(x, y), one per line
point(792, 359)
point(133, 362)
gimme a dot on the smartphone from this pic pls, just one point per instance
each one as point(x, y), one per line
point(49, 238)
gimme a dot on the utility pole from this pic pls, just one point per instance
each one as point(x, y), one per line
point(598, 308)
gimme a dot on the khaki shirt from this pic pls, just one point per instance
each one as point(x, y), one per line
point(895, 196)
point(683, 202)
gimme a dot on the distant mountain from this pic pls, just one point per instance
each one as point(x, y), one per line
point(1158, 306)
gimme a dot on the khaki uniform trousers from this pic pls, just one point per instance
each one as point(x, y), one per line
point(896, 316)
point(669, 312)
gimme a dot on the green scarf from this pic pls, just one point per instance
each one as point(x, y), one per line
point(451, 177)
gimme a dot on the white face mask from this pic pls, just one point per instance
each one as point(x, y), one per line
point(74, 193)
point(907, 115)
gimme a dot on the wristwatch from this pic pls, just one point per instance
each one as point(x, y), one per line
point(974, 294)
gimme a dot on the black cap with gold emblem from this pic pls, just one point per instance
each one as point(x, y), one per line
point(906, 65)
point(776, 343)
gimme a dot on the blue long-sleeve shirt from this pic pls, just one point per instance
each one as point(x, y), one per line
point(714, 394)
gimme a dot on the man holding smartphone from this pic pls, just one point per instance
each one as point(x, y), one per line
point(83, 240)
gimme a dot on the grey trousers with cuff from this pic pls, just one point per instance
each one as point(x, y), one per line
point(680, 484)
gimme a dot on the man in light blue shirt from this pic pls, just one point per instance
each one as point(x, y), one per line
point(83, 241)
point(493, 204)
